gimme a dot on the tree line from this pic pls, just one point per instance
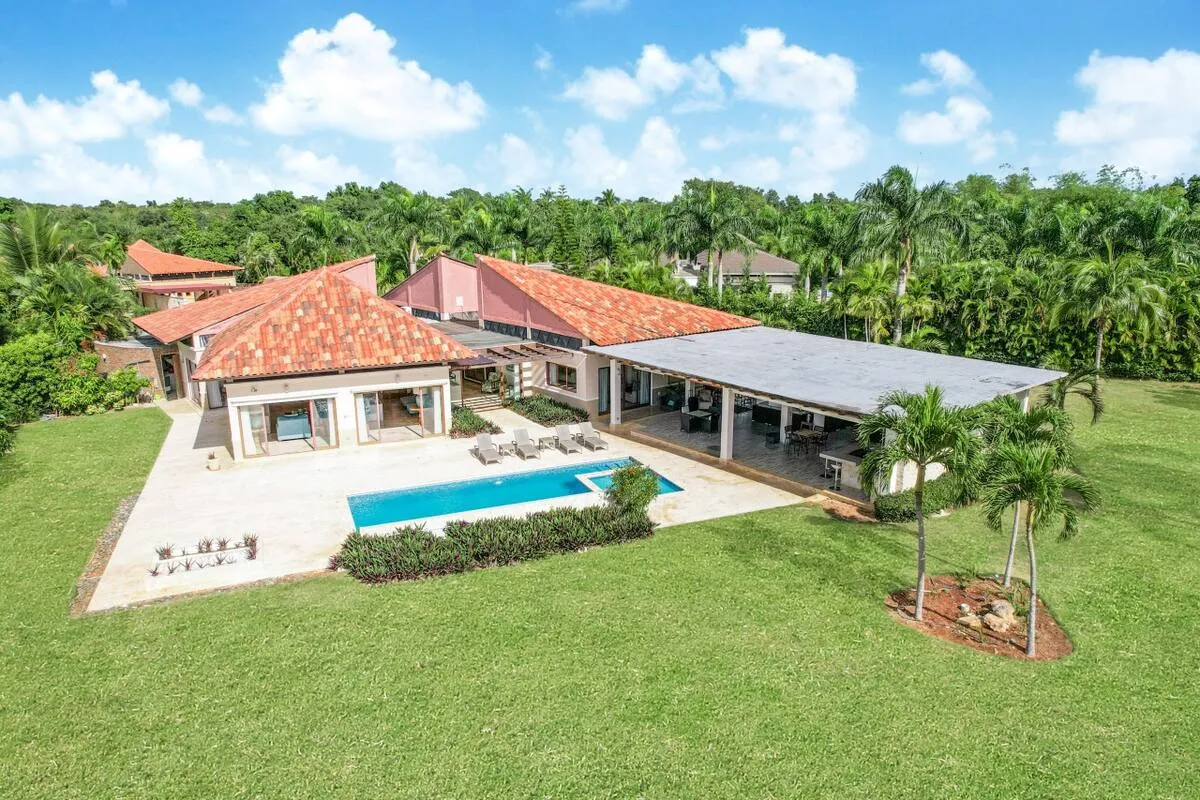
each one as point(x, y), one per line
point(1102, 271)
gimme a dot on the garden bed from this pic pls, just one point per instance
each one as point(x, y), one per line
point(944, 597)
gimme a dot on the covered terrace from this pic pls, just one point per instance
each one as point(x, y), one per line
point(789, 403)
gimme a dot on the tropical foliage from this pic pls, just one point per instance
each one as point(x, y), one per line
point(1077, 270)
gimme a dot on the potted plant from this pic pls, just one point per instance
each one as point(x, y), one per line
point(214, 463)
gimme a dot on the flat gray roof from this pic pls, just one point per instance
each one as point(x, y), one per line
point(823, 372)
point(474, 337)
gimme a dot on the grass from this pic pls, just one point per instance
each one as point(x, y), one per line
point(749, 656)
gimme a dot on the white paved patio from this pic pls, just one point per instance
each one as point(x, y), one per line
point(296, 504)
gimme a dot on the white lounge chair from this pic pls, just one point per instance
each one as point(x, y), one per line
point(589, 438)
point(566, 442)
point(525, 446)
point(485, 451)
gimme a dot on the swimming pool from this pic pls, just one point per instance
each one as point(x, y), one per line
point(402, 505)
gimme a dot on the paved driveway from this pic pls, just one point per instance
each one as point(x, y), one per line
point(297, 507)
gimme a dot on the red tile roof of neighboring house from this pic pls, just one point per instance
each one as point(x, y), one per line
point(98, 269)
point(324, 323)
point(174, 324)
point(156, 262)
point(608, 314)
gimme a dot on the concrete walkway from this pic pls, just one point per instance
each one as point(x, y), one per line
point(296, 504)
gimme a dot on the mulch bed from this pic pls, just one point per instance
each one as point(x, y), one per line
point(943, 596)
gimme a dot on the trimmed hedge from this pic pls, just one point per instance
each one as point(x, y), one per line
point(465, 423)
point(413, 552)
point(546, 410)
point(940, 493)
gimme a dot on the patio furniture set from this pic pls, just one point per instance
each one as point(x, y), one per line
point(525, 446)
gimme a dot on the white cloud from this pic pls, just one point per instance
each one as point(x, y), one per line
point(112, 112)
point(182, 167)
point(185, 93)
point(963, 118)
point(948, 69)
point(656, 168)
point(767, 70)
point(305, 172)
point(348, 79)
point(69, 175)
point(223, 115)
point(544, 60)
point(519, 163)
point(825, 145)
point(417, 167)
point(757, 171)
point(588, 6)
point(612, 93)
point(1143, 113)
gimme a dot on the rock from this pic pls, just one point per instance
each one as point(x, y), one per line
point(1003, 608)
point(964, 608)
point(971, 621)
point(997, 623)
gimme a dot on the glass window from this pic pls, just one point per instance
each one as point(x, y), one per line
point(561, 376)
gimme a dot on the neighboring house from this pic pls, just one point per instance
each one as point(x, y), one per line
point(166, 280)
point(779, 273)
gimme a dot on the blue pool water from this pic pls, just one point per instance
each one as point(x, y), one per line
point(383, 508)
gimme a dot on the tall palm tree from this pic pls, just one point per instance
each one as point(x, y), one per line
point(325, 237)
point(897, 216)
point(1110, 290)
point(417, 220)
point(710, 217)
point(482, 232)
point(1006, 421)
point(1032, 476)
point(71, 302)
point(922, 430)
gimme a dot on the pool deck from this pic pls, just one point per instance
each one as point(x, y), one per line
point(296, 504)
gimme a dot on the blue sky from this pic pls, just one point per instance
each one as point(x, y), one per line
point(136, 100)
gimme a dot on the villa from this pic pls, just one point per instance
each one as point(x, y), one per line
point(166, 280)
point(319, 361)
point(779, 273)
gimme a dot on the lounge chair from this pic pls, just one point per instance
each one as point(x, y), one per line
point(589, 438)
point(485, 451)
point(566, 442)
point(525, 447)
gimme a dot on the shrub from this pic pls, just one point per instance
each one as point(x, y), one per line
point(632, 489)
point(82, 389)
point(30, 369)
point(546, 410)
point(465, 423)
point(413, 552)
point(940, 493)
point(8, 426)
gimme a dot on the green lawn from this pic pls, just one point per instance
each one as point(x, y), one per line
point(747, 657)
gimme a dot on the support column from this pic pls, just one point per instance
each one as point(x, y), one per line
point(1024, 398)
point(785, 414)
point(614, 392)
point(688, 388)
point(727, 416)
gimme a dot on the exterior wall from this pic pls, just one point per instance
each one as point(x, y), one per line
point(363, 275)
point(341, 387)
point(587, 387)
point(146, 361)
point(501, 301)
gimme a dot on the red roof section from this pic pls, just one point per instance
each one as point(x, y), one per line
point(173, 324)
point(156, 262)
point(609, 314)
point(324, 323)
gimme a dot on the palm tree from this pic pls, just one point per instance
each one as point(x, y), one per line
point(1007, 421)
point(897, 216)
point(918, 429)
point(325, 237)
point(1032, 476)
point(1082, 382)
point(418, 220)
point(1108, 291)
point(866, 294)
point(482, 232)
point(34, 239)
point(709, 217)
point(73, 303)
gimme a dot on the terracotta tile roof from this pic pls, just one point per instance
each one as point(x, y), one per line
point(608, 314)
point(156, 262)
point(324, 323)
point(173, 324)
